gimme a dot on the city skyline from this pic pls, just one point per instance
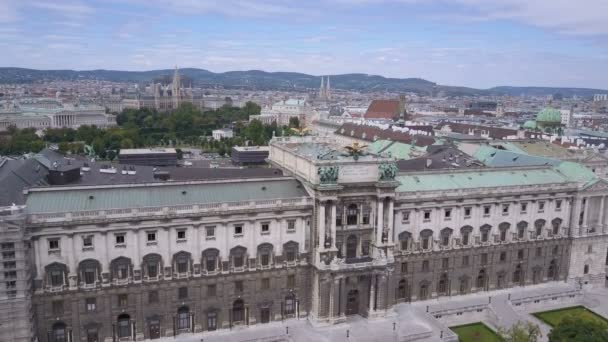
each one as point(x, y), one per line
point(469, 43)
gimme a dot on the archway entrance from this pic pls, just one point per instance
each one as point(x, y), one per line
point(238, 311)
point(124, 326)
point(351, 247)
point(352, 302)
point(154, 328)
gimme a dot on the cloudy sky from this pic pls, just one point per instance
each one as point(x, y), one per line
point(478, 43)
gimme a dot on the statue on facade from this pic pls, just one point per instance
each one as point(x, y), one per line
point(328, 174)
point(89, 151)
point(387, 172)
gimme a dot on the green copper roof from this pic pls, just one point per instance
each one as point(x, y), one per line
point(566, 172)
point(95, 198)
point(549, 115)
point(494, 157)
point(530, 124)
point(395, 149)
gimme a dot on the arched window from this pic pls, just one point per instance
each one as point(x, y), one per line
point(586, 269)
point(290, 251)
point(121, 268)
point(442, 286)
point(59, 332)
point(152, 266)
point(552, 271)
point(211, 259)
point(181, 263)
point(352, 214)
point(265, 254)
point(424, 290)
point(290, 304)
point(539, 225)
point(123, 326)
point(504, 230)
point(464, 285)
point(405, 240)
point(556, 223)
point(238, 311)
point(426, 237)
point(485, 232)
point(183, 318)
point(238, 257)
point(446, 233)
point(89, 271)
point(521, 229)
point(500, 280)
point(536, 272)
point(517, 276)
point(402, 289)
point(481, 279)
point(56, 274)
point(465, 235)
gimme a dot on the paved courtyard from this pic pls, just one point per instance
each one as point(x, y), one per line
point(425, 320)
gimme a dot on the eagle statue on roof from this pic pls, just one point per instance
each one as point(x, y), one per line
point(355, 150)
point(301, 131)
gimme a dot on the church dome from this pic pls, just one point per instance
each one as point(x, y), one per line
point(549, 115)
point(530, 124)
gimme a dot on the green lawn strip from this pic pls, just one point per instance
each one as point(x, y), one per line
point(553, 317)
point(475, 332)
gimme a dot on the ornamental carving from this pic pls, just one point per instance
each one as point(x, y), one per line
point(328, 174)
point(387, 172)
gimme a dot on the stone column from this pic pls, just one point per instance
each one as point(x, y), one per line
point(372, 296)
point(321, 229)
point(137, 255)
point(586, 213)
point(576, 212)
point(332, 298)
point(73, 276)
point(381, 293)
point(380, 222)
point(391, 217)
point(332, 224)
point(601, 219)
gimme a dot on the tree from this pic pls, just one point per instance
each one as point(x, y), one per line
point(252, 108)
point(574, 329)
point(294, 122)
point(521, 332)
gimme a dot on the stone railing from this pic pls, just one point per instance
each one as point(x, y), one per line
point(164, 211)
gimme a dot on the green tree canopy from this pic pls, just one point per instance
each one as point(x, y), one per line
point(521, 332)
point(573, 329)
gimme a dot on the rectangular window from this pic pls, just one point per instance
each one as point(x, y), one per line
point(503, 256)
point(238, 286)
point(425, 266)
point(211, 321)
point(123, 300)
point(152, 269)
point(10, 275)
point(541, 207)
point(524, 208)
point(465, 260)
point(91, 304)
point(445, 263)
point(486, 210)
point(151, 236)
point(8, 255)
point(265, 228)
point(11, 285)
point(447, 214)
point(10, 264)
point(291, 225)
point(182, 266)
point(53, 244)
point(120, 239)
point(182, 293)
point(405, 216)
point(87, 241)
point(484, 258)
point(238, 229)
point(539, 251)
point(265, 283)
point(365, 248)
point(467, 212)
point(8, 245)
point(365, 217)
point(210, 231)
point(58, 308)
point(520, 254)
point(555, 250)
point(558, 205)
point(427, 215)
point(89, 276)
point(265, 259)
point(211, 290)
point(291, 281)
point(237, 261)
point(181, 234)
point(56, 278)
point(505, 209)
point(404, 267)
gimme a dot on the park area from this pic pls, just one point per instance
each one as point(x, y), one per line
point(553, 317)
point(475, 332)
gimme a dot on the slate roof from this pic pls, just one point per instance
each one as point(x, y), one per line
point(463, 128)
point(159, 194)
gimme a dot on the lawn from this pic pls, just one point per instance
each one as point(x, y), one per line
point(553, 317)
point(475, 332)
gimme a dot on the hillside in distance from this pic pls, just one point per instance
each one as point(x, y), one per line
point(262, 80)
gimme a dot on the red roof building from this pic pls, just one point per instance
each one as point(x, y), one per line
point(384, 110)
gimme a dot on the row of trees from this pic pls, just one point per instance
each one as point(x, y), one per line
point(569, 329)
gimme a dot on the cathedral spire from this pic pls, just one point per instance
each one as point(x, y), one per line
point(327, 90)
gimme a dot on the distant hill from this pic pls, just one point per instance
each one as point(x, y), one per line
point(262, 80)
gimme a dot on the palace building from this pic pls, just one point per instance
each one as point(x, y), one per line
point(341, 233)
